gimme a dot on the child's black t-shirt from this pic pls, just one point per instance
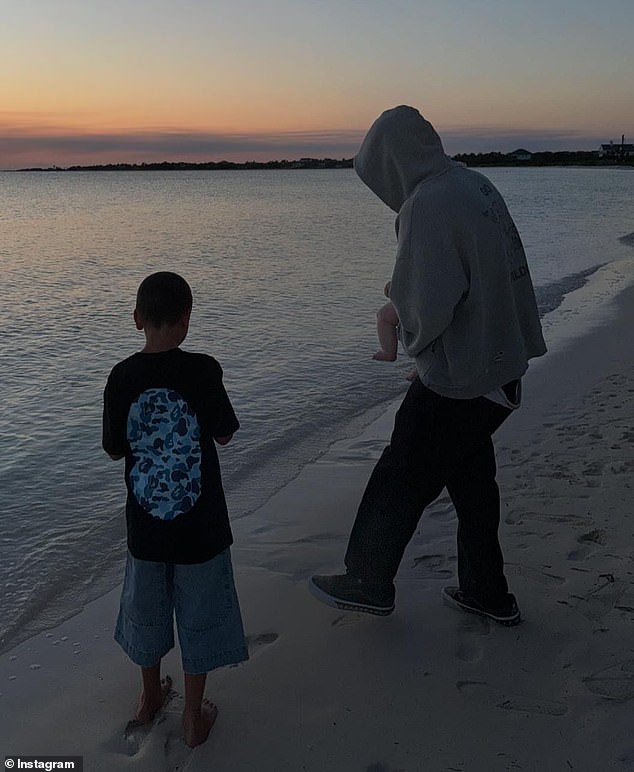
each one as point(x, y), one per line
point(162, 411)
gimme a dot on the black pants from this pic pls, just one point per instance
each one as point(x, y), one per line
point(436, 443)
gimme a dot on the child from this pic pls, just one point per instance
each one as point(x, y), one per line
point(387, 323)
point(163, 409)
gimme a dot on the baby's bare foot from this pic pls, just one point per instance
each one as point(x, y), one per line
point(149, 705)
point(382, 356)
point(197, 724)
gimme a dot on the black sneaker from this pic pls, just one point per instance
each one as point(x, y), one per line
point(508, 615)
point(351, 594)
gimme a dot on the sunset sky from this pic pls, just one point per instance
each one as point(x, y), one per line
point(98, 81)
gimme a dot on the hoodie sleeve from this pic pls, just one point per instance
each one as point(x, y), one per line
point(429, 279)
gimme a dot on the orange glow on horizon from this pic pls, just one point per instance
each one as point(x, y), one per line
point(85, 78)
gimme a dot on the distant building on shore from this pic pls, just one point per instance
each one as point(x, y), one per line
point(521, 155)
point(618, 151)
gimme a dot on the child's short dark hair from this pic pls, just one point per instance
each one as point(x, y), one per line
point(163, 298)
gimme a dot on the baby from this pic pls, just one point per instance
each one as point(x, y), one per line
point(386, 329)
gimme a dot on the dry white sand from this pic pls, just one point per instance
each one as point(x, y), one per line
point(428, 688)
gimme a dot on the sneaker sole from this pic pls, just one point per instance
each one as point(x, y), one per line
point(505, 621)
point(345, 605)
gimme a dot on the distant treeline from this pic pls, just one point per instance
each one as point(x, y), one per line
point(546, 158)
point(303, 163)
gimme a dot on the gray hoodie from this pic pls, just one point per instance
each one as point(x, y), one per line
point(461, 284)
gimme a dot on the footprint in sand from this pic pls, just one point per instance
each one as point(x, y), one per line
point(162, 735)
point(349, 618)
point(613, 683)
point(169, 737)
point(603, 599)
point(515, 517)
point(536, 706)
point(433, 566)
point(177, 752)
point(382, 766)
point(588, 543)
point(317, 538)
point(136, 733)
point(255, 643)
point(462, 686)
point(534, 574)
point(597, 536)
point(579, 520)
point(521, 704)
point(470, 647)
point(518, 517)
point(579, 553)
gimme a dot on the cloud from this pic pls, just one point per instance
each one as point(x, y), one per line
point(495, 138)
point(22, 146)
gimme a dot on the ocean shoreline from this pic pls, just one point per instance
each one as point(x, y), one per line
point(305, 701)
point(586, 306)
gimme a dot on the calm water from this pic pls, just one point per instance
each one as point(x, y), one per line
point(287, 269)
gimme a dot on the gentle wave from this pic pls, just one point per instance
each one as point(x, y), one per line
point(550, 296)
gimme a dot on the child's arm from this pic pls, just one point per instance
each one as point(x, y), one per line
point(224, 423)
point(112, 426)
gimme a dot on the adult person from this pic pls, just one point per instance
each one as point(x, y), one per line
point(465, 300)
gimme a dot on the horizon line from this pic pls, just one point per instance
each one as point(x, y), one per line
point(63, 148)
point(291, 162)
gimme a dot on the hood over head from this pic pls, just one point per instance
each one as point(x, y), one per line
point(400, 150)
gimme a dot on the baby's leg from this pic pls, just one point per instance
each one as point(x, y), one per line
point(386, 324)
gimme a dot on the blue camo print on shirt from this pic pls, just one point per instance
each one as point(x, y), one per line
point(164, 437)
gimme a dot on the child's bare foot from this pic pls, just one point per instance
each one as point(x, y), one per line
point(150, 704)
point(412, 376)
point(382, 356)
point(198, 723)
